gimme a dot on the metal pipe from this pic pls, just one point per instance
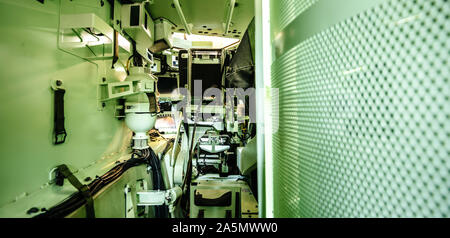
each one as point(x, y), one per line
point(232, 44)
point(177, 5)
point(164, 171)
point(174, 148)
point(259, 84)
point(229, 16)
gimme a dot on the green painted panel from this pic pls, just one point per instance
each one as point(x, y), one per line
point(31, 59)
point(364, 112)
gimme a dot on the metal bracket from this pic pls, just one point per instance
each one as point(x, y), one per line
point(129, 208)
point(122, 89)
point(56, 84)
point(159, 197)
point(151, 198)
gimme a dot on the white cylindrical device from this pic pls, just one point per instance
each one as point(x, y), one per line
point(138, 116)
point(140, 124)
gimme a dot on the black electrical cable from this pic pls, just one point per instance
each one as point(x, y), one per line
point(77, 200)
point(158, 183)
point(188, 176)
point(88, 30)
point(160, 211)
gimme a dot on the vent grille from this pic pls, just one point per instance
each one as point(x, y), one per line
point(364, 116)
point(291, 9)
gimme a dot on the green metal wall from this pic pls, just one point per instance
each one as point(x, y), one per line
point(30, 60)
point(364, 108)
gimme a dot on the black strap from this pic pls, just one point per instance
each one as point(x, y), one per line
point(59, 130)
point(116, 43)
point(237, 211)
point(84, 189)
point(201, 213)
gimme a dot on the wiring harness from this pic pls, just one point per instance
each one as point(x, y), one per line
point(138, 157)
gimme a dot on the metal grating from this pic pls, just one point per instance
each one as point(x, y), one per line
point(290, 9)
point(364, 116)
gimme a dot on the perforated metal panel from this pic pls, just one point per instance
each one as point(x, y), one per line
point(290, 9)
point(364, 111)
